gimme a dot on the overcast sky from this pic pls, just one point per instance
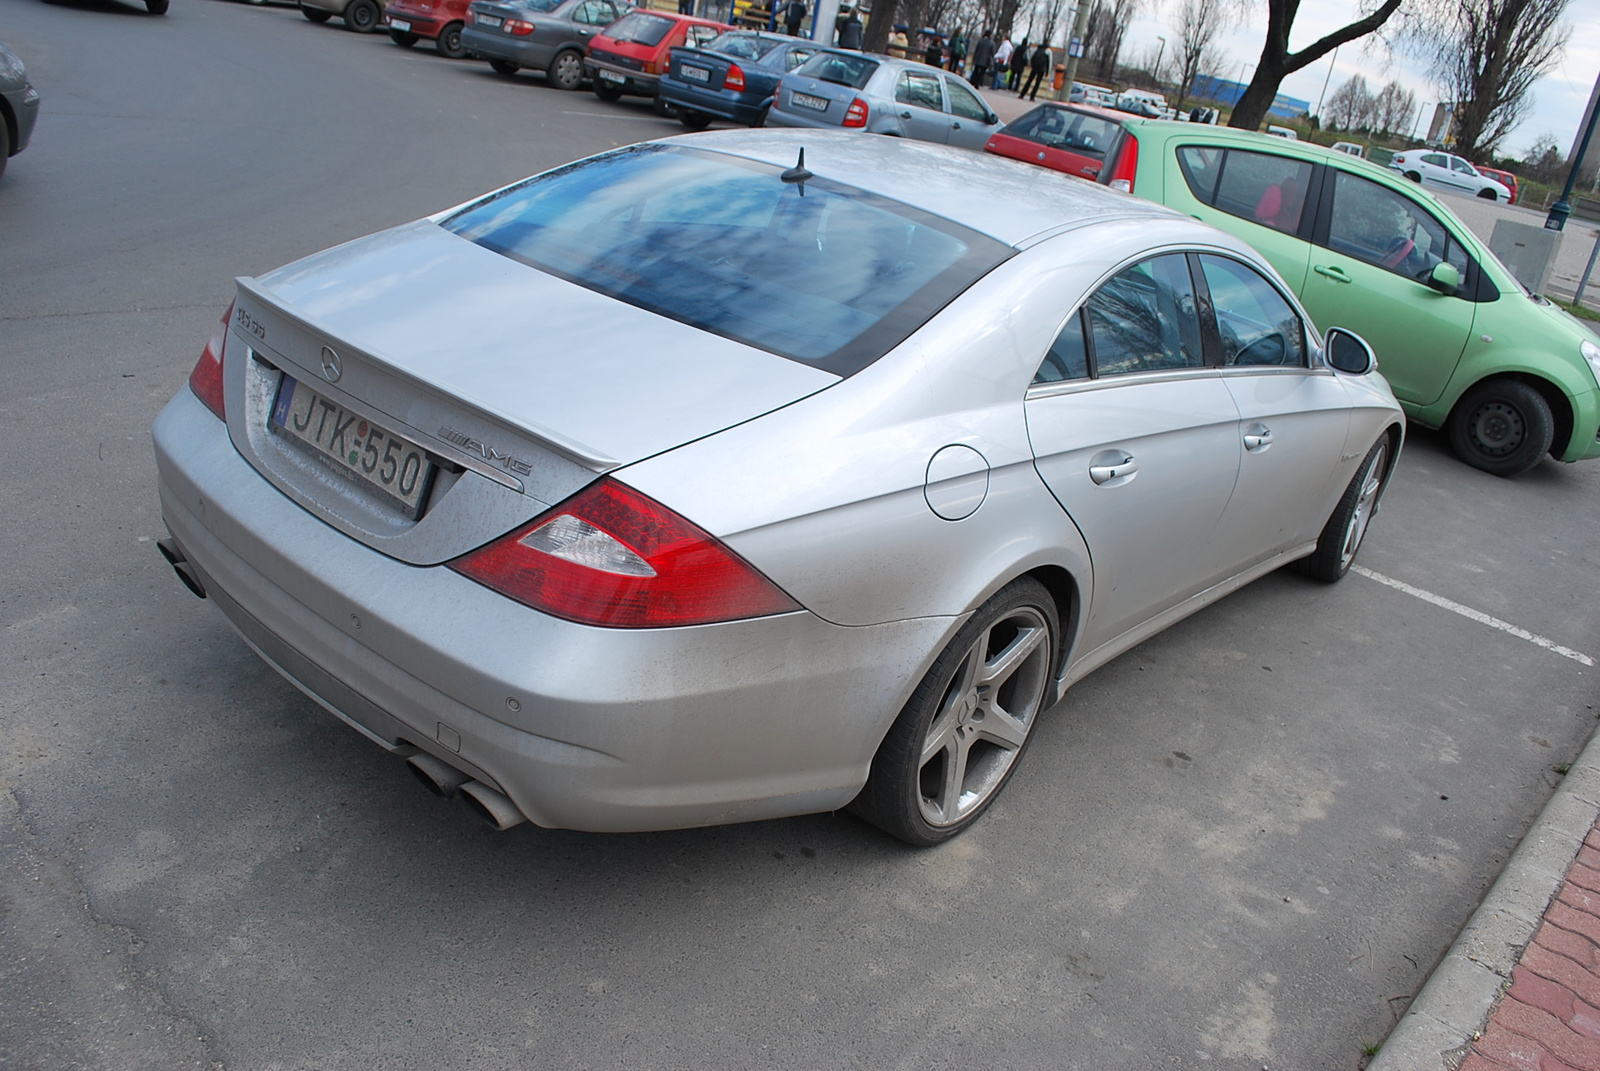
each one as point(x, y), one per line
point(1559, 98)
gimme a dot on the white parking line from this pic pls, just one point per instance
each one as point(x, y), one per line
point(1475, 615)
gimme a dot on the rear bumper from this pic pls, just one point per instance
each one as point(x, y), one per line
point(722, 103)
point(791, 119)
point(421, 25)
point(584, 728)
point(635, 83)
point(493, 45)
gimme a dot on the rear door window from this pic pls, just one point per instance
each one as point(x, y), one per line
point(1262, 187)
point(919, 89)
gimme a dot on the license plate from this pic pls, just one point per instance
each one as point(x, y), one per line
point(396, 24)
point(806, 100)
point(695, 74)
point(489, 20)
point(377, 457)
point(611, 76)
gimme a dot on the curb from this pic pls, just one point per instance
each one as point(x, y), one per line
point(1454, 1004)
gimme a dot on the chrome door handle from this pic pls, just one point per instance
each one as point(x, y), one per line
point(1336, 274)
point(1110, 465)
point(1257, 437)
point(905, 115)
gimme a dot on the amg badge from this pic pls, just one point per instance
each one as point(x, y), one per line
point(488, 453)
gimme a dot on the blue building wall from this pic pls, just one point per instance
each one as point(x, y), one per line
point(1208, 87)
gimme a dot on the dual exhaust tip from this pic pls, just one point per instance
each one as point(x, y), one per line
point(437, 776)
point(447, 782)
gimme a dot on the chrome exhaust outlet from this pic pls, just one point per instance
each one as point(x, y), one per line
point(491, 806)
point(438, 777)
point(180, 564)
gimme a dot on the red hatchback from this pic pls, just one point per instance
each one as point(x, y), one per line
point(439, 21)
point(1074, 138)
point(635, 51)
point(1504, 178)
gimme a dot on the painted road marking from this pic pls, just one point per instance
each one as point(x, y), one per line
point(1475, 615)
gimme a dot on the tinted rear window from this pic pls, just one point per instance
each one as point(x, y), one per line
point(649, 30)
point(1060, 128)
point(843, 70)
point(830, 276)
point(742, 45)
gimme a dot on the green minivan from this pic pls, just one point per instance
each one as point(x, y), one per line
point(1509, 376)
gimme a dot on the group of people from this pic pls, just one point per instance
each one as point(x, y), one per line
point(1006, 63)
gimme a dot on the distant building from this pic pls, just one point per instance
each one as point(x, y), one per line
point(1209, 87)
point(1442, 128)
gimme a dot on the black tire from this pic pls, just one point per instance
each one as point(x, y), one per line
point(606, 91)
point(315, 14)
point(5, 144)
point(448, 43)
point(403, 39)
point(761, 120)
point(1414, 176)
point(976, 731)
point(566, 70)
point(504, 68)
point(362, 16)
point(693, 120)
point(1489, 195)
point(157, 7)
point(1342, 536)
point(1503, 427)
point(663, 108)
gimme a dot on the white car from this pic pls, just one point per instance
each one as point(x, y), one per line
point(1443, 171)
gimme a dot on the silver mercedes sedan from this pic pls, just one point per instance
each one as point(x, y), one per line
point(707, 480)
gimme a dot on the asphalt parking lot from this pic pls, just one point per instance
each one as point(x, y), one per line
point(1242, 844)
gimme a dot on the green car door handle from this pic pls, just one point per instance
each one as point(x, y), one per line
point(1336, 274)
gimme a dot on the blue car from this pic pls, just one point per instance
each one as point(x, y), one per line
point(733, 77)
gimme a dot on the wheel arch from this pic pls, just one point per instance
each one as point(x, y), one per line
point(1560, 405)
point(1063, 588)
point(12, 128)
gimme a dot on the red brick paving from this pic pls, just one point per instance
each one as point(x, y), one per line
point(1549, 1020)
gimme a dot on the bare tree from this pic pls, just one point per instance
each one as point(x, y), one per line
point(1195, 24)
point(1277, 62)
point(1545, 162)
point(1393, 109)
point(1486, 56)
point(1350, 106)
point(1108, 25)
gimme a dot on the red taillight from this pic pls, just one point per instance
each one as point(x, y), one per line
point(1127, 166)
point(856, 114)
point(518, 28)
point(206, 379)
point(735, 78)
point(610, 556)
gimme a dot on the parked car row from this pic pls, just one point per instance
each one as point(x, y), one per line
point(1508, 375)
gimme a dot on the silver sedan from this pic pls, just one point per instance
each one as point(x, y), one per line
point(702, 481)
point(839, 89)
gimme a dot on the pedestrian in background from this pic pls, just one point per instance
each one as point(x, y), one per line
point(983, 56)
point(934, 57)
point(1002, 60)
point(1036, 71)
point(793, 15)
point(1019, 63)
point(850, 35)
point(958, 51)
point(898, 44)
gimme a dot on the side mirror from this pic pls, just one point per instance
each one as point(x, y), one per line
point(993, 119)
point(1348, 352)
point(1445, 278)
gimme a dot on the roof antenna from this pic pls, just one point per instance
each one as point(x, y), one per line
point(798, 173)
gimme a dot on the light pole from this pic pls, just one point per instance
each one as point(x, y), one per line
point(1418, 124)
point(1557, 220)
point(1326, 80)
point(1162, 51)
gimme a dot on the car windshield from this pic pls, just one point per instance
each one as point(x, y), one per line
point(814, 271)
point(742, 45)
point(641, 28)
point(844, 70)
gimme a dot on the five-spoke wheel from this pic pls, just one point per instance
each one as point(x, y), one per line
point(959, 737)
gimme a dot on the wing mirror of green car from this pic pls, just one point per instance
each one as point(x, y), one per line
point(1348, 352)
point(1445, 278)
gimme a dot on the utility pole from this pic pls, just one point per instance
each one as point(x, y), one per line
point(1557, 220)
point(1080, 24)
point(1162, 51)
point(1325, 82)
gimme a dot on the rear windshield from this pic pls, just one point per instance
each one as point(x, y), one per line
point(819, 272)
point(742, 45)
point(1062, 128)
point(640, 28)
point(536, 5)
point(840, 69)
